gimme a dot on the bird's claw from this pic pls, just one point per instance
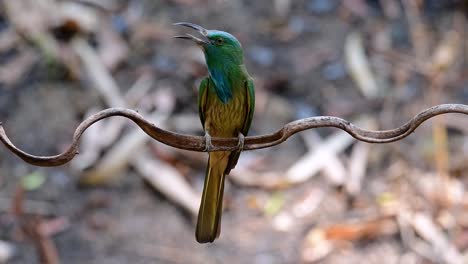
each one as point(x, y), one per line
point(208, 145)
point(240, 144)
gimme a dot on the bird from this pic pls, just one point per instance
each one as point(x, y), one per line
point(226, 102)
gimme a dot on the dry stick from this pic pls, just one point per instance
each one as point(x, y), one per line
point(197, 143)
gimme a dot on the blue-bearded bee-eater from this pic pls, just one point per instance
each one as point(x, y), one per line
point(226, 103)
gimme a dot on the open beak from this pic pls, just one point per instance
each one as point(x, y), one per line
point(198, 28)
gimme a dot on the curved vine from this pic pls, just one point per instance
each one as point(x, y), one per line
point(197, 143)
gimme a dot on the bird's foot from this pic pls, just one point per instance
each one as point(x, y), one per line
point(208, 145)
point(240, 144)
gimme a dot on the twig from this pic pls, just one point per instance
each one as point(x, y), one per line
point(331, 165)
point(357, 168)
point(197, 143)
point(7, 251)
point(321, 157)
point(35, 207)
point(156, 172)
point(442, 247)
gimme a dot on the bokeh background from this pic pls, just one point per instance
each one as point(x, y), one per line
point(320, 197)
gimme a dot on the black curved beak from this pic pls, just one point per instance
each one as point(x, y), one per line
point(198, 28)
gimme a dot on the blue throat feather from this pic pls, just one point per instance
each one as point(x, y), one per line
point(222, 84)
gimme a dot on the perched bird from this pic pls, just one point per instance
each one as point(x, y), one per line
point(226, 102)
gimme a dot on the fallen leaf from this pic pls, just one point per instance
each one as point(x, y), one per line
point(33, 181)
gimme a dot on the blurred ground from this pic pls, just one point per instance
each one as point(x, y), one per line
point(319, 197)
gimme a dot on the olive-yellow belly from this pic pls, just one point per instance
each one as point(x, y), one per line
point(225, 119)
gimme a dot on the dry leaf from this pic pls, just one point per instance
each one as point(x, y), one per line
point(359, 67)
point(321, 241)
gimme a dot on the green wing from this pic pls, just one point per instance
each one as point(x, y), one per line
point(250, 105)
point(202, 95)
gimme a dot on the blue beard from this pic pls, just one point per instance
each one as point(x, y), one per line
point(222, 85)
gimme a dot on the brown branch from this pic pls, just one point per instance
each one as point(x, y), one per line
point(197, 143)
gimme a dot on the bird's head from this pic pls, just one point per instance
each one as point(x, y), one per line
point(217, 45)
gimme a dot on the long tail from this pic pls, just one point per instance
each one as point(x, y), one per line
point(211, 206)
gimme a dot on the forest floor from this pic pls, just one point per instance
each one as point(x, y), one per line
point(319, 197)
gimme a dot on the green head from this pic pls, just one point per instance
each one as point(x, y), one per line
point(217, 45)
point(224, 57)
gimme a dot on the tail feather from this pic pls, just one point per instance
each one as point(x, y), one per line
point(211, 206)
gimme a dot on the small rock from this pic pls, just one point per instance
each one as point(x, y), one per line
point(278, 82)
point(84, 18)
point(164, 64)
point(334, 71)
point(120, 24)
point(464, 93)
point(264, 258)
point(304, 110)
point(262, 55)
point(60, 178)
point(3, 24)
point(320, 7)
point(7, 251)
point(296, 24)
point(99, 221)
point(400, 34)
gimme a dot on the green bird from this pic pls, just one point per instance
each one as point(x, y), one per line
point(226, 102)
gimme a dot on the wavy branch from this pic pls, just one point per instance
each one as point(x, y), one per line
point(197, 143)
